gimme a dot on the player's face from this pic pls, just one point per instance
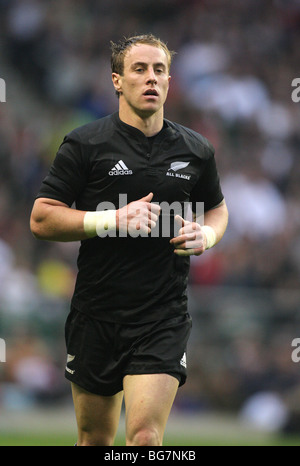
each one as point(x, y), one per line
point(145, 81)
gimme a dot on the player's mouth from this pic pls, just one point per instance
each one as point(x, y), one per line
point(151, 93)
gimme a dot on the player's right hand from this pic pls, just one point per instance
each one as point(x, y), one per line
point(138, 217)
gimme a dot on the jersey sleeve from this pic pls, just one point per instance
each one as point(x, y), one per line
point(207, 189)
point(67, 175)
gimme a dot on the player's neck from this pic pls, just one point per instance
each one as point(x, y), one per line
point(149, 125)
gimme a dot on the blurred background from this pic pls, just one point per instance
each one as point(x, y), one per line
point(231, 81)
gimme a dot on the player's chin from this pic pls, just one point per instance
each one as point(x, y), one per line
point(150, 107)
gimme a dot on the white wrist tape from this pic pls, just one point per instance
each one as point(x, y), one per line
point(211, 237)
point(99, 223)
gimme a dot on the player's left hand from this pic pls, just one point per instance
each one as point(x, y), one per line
point(190, 240)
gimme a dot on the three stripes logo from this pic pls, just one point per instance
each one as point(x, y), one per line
point(183, 360)
point(120, 169)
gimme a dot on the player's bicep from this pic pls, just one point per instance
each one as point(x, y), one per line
point(41, 208)
point(43, 202)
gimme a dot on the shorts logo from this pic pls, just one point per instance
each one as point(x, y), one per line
point(70, 358)
point(120, 169)
point(174, 167)
point(183, 360)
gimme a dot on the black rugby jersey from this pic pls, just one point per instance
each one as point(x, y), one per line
point(126, 279)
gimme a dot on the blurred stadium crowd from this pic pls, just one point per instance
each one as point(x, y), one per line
point(231, 81)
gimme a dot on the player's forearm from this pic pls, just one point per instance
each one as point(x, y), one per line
point(57, 222)
point(217, 219)
point(53, 220)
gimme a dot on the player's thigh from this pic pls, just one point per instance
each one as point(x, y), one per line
point(148, 402)
point(97, 416)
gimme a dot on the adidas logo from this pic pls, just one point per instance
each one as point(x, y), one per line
point(120, 169)
point(70, 358)
point(183, 360)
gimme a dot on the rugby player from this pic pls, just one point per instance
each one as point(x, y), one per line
point(128, 326)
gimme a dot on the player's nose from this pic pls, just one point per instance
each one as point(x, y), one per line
point(151, 77)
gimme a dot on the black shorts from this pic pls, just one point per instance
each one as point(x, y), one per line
point(100, 353)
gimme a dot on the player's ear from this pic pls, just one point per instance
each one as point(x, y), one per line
point(116, 79)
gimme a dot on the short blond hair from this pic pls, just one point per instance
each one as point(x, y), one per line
point(120, 49)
